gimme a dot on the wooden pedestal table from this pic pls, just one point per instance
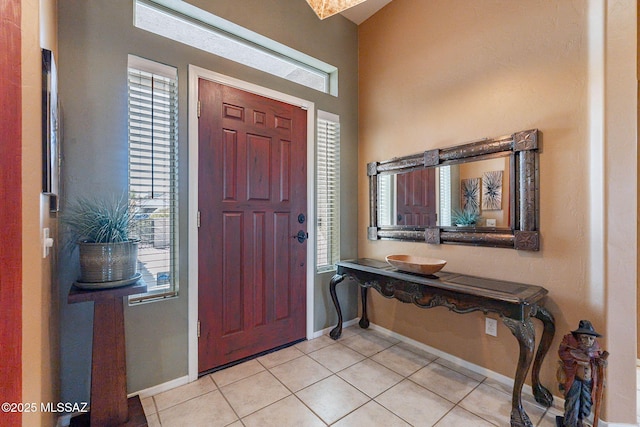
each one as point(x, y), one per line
point(109, 403)
point(516, 303)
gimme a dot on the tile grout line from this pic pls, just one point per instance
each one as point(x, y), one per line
point(227, 400)
point(370, 399)
point(181, 402)
point(407, 377)
point(333, 374)
point(294, 393)
point(373, 399)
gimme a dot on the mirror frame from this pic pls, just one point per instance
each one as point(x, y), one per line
point(521, 147)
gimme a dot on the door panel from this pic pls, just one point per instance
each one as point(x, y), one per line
point(416, 198)
point(252, 187)
point(229, 165)
point(259, 148)
point(232, 274)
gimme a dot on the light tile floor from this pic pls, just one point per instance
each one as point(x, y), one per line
point(363, 379)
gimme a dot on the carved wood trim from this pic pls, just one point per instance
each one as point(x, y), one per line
point(373, 201)
point(515, 303)
point(372, 233)
point(432, 235)
point(527, 240)
point(431, 158)
point(407, 235)
point(504, 239)
point(525, 140)
point(372, 168)
point(401, 164)
point(528, 191)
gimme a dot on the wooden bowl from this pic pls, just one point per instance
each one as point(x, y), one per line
point(416, 264)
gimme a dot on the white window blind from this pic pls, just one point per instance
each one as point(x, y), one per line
point(445, 195)
point(153, 173)
point(386, 199)
point(328, 191)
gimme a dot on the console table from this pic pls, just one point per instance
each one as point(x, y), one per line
point(516, 303)
point(109, 403)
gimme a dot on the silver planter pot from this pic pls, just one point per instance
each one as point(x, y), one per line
point(108, 262)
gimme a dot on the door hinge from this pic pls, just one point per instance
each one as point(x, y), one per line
point(198, 220)
point(199, 106)
point(198, 329)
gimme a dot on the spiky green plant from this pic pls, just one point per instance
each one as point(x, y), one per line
point(464, 217)
point(107, 220)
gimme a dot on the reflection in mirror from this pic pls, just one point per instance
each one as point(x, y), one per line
point(493, 182)
point(408, 198)
point(432, 196)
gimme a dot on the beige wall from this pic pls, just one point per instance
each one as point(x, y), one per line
point(443, 72)
point(40, 353)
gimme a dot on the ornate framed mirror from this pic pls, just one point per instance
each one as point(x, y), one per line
point(482, 193)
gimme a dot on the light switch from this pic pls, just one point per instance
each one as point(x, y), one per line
point(491, 326)
point(47, 242)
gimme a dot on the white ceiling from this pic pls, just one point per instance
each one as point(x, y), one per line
point(361, 12)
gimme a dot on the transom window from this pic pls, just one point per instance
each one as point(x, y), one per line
point(198, 28)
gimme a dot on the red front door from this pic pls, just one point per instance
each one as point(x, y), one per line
point(252, 200)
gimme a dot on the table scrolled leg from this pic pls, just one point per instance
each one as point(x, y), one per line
point(337, 331)
point(542, 394)
point(525, 334)
point(364, 320)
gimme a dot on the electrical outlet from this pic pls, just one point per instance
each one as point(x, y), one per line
point(491, 326)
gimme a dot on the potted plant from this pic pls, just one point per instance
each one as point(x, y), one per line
point(102, 230)
point(464, 217)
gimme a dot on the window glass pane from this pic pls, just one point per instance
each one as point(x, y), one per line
point(328, 191)
point(153, 108)
point(205, 36)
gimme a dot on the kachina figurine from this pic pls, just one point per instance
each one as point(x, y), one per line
point(581, 376)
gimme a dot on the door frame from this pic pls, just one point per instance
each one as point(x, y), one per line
point(196, 73)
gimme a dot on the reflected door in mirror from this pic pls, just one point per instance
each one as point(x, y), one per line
point(417, 198)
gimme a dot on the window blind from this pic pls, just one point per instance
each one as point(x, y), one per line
point(153, 173)
point(328, 191)
point(386, 198)
point(445, 195)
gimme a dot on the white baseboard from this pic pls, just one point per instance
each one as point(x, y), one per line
point(327, 330)
point(558, 403)
point(152, 391)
